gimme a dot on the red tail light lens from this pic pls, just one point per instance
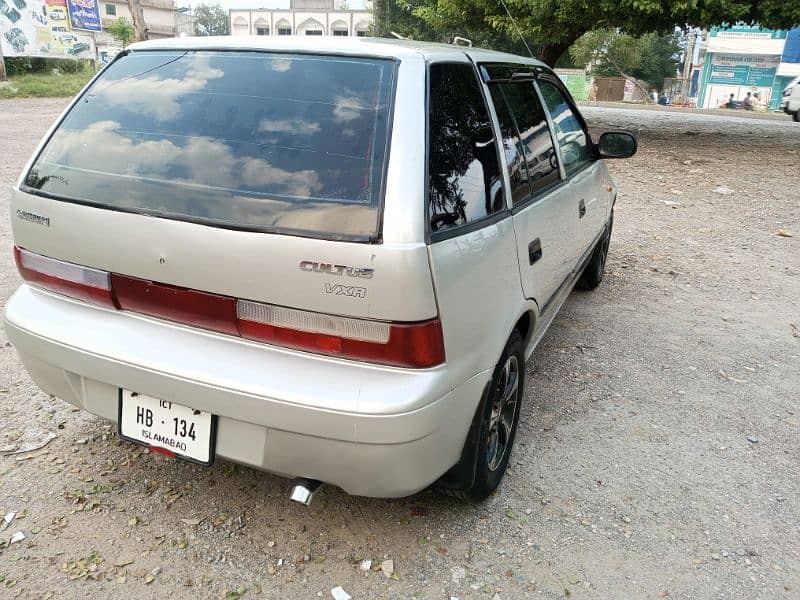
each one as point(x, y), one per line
point(82, 283)
point(413, 345)
point(201, 309)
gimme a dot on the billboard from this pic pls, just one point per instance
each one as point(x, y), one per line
point(791, 51)
point(743, 31)
point(41, 28)
point(84, 14)
point(743, 70)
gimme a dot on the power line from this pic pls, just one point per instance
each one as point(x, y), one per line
point(514, 22)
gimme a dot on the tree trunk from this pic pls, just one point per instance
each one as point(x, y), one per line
point(644, 90)
point(550, 53)
point(139, 25)
point(3, 76)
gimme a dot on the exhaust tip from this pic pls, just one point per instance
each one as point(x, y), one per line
point(304, 490)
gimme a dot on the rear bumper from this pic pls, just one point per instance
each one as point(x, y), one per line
point(371, 430)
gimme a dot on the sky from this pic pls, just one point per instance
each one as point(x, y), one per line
point(227, 4)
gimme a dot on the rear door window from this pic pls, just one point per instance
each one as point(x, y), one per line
point(251, 140)
point(512, 148)
point(464, 184)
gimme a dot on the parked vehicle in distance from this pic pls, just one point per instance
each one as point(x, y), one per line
point(9, 13)
point(269, 270)
point(78, 48)
point(790, 100)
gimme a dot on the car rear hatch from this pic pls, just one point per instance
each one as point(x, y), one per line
point(239, 192)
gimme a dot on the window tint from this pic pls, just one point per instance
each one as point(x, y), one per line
point(534, 133)
point(245, 139)
point(572, 138)
point(512, 148)
point(464, 175)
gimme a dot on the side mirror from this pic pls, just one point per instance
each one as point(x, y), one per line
point(617, 144)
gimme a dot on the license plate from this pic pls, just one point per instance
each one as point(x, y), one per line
point(161, 424)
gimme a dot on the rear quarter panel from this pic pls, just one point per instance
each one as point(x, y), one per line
point(480, 297)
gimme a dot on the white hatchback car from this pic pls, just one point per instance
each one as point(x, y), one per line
point(790, 99)
point(328, 259)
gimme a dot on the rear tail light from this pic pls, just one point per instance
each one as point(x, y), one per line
point(201, 309)
point(414, 345)
point(83, 283)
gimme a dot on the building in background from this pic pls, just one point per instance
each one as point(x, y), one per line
point(789, 67)
point(744, 59)
point(184, 21)
point(159, 15)
point(303, 17)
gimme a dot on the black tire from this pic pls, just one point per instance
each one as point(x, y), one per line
point(594, 270)
point(796, 116)
point(493, 429)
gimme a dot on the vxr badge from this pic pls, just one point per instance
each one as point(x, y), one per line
point(345, 290)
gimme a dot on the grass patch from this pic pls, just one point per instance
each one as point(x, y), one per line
point(45, 85)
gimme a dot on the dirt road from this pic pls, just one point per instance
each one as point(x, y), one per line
point(657, 456)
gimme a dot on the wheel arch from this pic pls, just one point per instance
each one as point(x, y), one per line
point(525, 325)
point(464, 470)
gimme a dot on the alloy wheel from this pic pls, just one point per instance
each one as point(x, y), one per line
point(504, 412)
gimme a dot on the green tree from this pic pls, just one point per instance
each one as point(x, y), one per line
point(651, 57)
point(550, 27)
point(416, 20)
point(122, 31)
point(210, 19)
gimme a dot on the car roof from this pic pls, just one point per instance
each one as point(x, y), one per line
point(360, 46)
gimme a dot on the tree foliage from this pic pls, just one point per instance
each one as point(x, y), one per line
point(211, 19)
point(418, 20)
point(551, 26)
point(122, 31)
point(651, 57)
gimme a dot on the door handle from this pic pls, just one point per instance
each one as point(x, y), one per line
point(535, 250)
point(581, 209)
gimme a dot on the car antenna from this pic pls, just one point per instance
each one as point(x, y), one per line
point(514, 22)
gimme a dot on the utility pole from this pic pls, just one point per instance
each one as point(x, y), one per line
point(688, 62)
point(139, 25)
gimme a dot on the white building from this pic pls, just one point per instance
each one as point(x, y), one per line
point(746, 59)
point(159, 15)
point(304, 17)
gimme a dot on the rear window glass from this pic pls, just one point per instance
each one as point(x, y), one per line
point(251, 140)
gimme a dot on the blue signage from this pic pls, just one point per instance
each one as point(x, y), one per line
point(742, 75)
point(84, 14)
point(791, 51)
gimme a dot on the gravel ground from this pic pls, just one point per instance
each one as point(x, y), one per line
point(658, 447)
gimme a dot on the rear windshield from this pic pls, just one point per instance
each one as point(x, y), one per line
point(250, 140)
